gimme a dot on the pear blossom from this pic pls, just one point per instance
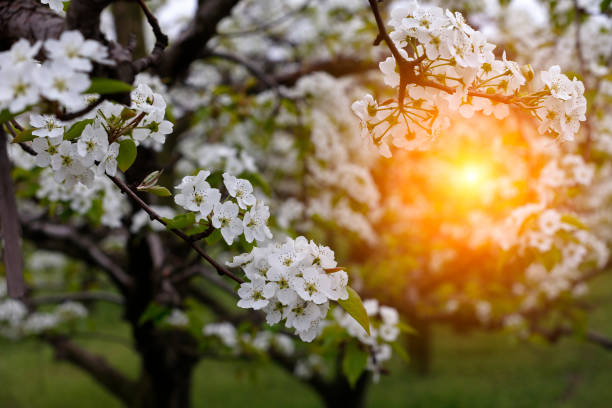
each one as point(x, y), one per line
point(240, 189)
point(225, 218)
point(74, 52)
point(46, 148)
point(93, 144)
point(197, 195)
point(255, 223)
point(46, 125)
point(255, 294)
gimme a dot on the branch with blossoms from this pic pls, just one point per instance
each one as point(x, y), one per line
point(191, 242)
point(440, 65)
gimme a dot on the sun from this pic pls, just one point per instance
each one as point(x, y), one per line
point(472, 174)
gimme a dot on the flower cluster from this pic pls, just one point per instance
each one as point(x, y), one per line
point(456, 71)
point(293, 281)
point(563, 247)
point(62, 77)
point(261, 341)
point(16, 321)
point(198, 196)
point(95, 151)
point(562, 106)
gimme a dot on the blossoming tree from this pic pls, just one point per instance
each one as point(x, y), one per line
point(222, 155)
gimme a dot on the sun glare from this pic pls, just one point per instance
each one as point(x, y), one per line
point(472, 174)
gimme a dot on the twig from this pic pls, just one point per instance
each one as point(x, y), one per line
point(53, 235)
point(65, 116)
point(253, 69)
point(25, 147)
point(153, 214)
point(384, 35)
point(407, 68)
point(264, 25)
point(77, 297)
point(161, 41)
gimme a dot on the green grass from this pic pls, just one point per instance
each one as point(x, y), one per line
point(469, 370)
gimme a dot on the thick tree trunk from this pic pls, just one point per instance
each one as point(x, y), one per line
point(340, 393)
point(167, 373)
point(420, 347)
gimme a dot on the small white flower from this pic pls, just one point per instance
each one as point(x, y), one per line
point(197, 195)
point(108, 163)
point(73, 51)
point(45, 149)
point(60, 83)
point(46, 125)
point(144, 99)
point(240, 189)
point(255, 294)
point(225, 217)
point(301, 315)
point(313, 285)
point(20, 54)
point(224, 331)
point(281, 279)
point(255, 223)
point(17, 88)
point(93, 144)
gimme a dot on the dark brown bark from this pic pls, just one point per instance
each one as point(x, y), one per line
point(192, 42)
point(9, 225)
point(168, 356)
point(28, 19)
point(341, 394)
point(84, 15)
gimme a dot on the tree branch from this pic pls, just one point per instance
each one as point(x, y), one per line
point(96, 366)
point(76, 297)
point(153, 214)
point(9, 223)
point(337, 67)
point(68, 240)
point(161, 41)
point(177, 59)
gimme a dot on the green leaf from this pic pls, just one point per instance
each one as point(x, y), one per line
point(400, 351)
point(572, 220)
point(604, 5)
point(24, 136)
point(157, 190)
point(354, 307)
point(127, 154)
point(6, 115)
point(214, 237)
point(354, 362)
point(198, 228)
point(77, 129)
point(406, 328)
point(180, 221)
point(154, 312)
point(103, 86)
